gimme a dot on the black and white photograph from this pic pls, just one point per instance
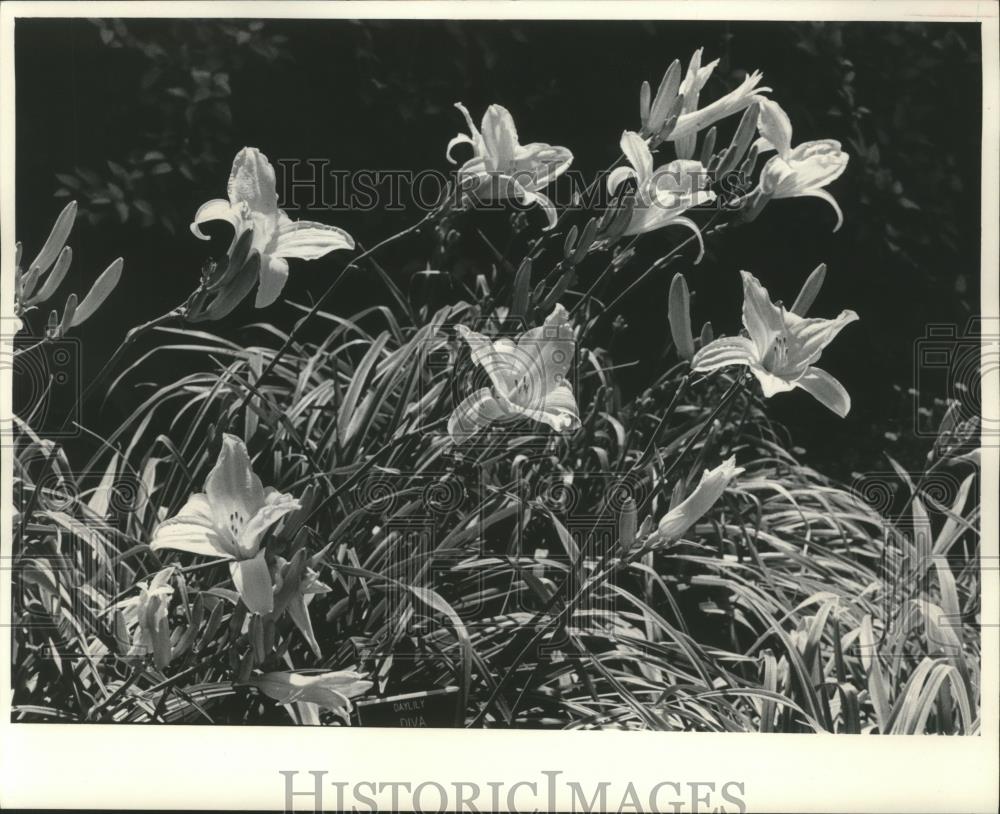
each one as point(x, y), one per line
point(524, 372)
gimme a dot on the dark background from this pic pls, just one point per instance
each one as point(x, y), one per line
point(139, 121)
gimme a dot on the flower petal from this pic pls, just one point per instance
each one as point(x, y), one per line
point(557, 408)
point(499, 136)
point(733, 102)
point(690, 89)
point(811, 174)
point(761, 317)
point(193, 530)
point(496, 358)
point(308, 240)
point(826, 196)
point(197, 509)
point(824, 158)
point(618, 176)
point(474, 138)
point(543, 357)
point(695, 79)
point(461, 138)
point(724, 352)
point(777, 179)
point(253, 581)
point(826, 390)
point(809, 336)
point(194, 538)
point(252, 182)
point(298, 609)
point(774, 126)
point(771, 384)
point(330, 690)
point(709, 489)
point(542, 163)
point(690, 224)
point(234, 492)
point(682, 175)
point(216, 209)
point(637, 152)
point(805, 169)
point(265, 517)
point(664, 209)
point(475, 412)
point(543, 201)
point(273, 276)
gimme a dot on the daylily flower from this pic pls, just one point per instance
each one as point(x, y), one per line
point(664, 194)
point(692, 121)
point(228, 520)
point(146, 616)
point(689, 511)
point(801, 171)
point(253, 204)
point(297, 595)
point(780, 349)
point(528, 378)
point(333, 690)
point(501, 167)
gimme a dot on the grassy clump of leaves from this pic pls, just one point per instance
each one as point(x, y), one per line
point(501, 566)
point(523, 567)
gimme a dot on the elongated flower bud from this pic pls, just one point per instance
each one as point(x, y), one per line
point(707, 334)
point(57, 238)
point(235, 260)
point(233, 294)
point(665, 96)
point(99, 292)
point(708, 146)
point(645, 95)
point(713, 483)
point(586, 241)
point(522, 290)
point(69, 311)
point(55, 277)
point(741, 140)
point(570, 243)
point(679, 316)
point(627, 525)
point(810, 290)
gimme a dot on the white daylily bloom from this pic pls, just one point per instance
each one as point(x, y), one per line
point(664, 194)
point(800, 171)
point(528, 378)
point(780, 349)
point(228, 520)
point(501, 167)
point(146, 616)
point(692, 121)
point(253, 204)
point(331, 690)
point(689, 511)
